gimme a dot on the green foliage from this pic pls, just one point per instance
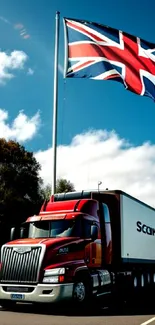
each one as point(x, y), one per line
point(46, 192)
point(62, 186)
point(20, 184)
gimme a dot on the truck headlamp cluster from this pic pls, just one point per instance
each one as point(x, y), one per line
point(51, 279)
point(54, 275)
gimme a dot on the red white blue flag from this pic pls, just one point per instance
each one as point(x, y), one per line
point(99, 52)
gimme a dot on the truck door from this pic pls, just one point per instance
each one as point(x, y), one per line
point(93, 250)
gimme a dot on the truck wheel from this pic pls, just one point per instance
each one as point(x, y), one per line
point(81, 292)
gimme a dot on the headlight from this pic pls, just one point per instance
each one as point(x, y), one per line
point(54, 275)
point(58, 271)
point(51, 279)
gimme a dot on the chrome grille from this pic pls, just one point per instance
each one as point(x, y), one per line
point(20, 264)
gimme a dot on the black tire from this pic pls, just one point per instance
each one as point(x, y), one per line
point(81, 293)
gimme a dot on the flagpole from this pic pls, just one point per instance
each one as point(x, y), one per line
point(55, 102)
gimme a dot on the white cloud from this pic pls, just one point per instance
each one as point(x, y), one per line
point(9, 62)
point(103, 156)
point(30, 72)
point(22, 128)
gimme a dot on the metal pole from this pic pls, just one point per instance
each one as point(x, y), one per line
point(55, 100)
point(99, 183)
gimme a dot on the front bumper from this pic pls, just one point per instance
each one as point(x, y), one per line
point(42, 293)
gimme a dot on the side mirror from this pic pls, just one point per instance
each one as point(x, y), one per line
point(94, 232)
point(22, 232)
point(12, 233)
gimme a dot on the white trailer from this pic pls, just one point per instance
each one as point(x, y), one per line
point(137, 231)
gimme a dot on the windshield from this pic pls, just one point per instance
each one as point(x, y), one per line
point(55, 228)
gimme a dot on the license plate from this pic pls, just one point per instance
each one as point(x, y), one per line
point(16, 296)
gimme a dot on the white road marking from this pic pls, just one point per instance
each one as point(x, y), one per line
point(148, 321)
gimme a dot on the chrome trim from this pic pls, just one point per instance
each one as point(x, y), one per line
point(103, 293)
point(22, 250)
point(43, 249)
point(55, 293)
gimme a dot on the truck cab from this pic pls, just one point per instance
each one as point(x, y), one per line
point(61, 254)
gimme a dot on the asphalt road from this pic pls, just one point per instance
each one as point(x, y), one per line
point(28, 314)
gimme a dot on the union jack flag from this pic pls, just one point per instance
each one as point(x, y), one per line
point(99, 52)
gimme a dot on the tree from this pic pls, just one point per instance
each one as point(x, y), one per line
point(46, 191)
point(62, 186)
point(20, 184)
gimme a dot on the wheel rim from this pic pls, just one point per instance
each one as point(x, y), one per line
point(79, 291)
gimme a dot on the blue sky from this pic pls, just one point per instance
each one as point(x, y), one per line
point(83, 104)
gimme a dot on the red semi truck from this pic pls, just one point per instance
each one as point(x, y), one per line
point(81, 245)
